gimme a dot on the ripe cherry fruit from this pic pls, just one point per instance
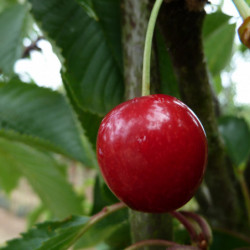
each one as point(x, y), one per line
point(152, 152)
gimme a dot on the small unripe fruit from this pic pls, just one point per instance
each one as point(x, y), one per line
point(152, 152)
point(244, 32)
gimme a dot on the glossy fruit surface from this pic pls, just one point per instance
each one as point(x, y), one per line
point(152, 152)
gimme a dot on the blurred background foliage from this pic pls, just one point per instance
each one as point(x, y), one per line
point(47, 137)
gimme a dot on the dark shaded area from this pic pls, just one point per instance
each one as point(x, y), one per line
point(182, 30)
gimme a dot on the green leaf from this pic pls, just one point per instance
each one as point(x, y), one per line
point(218, 41)
point(228, 240)
point(42, 117)
point(103, 229)
point(49, 235)
point(102, 195)
point(213, 22)
point(217, 84)
point(120, 238)
point(91, 68)
point(61, 234)
point(236, 134)
point(109, 12)
point(6, 3)
point(13, 22)
point(35, 214)
point(89, 121)
point(88, 7)
point(168, 80)
point(44, 175)
point(9, 175)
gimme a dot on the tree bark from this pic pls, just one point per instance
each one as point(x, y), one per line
point(182, 30)
point(135, 18)
point(150, 226)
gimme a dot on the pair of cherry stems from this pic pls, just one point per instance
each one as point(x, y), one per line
point(198, 239)
point(241, 5)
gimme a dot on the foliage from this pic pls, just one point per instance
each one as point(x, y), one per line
point(92, 55)
point(41, 130)
point(236, 134)
point(13, 24)
point(30, 114)
point(61, 234)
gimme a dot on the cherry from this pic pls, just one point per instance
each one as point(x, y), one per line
point(152, 152)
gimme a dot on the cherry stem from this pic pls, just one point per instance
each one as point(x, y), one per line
point(204, 226)
point(96, 218)
point(242, 8)
point(189, 227)
point(148, 48)
point(157, 242)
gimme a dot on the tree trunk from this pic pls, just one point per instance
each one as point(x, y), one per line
point(135, 19)
point(150, 226)
point(182, 30)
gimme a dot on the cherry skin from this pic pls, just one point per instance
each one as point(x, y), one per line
point(152, 152)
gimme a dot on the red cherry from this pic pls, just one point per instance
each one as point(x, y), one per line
point(152, 153)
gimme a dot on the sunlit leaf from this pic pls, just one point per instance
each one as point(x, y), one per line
point(217, 84)
point(43, 174)
point(7, 3)
point(218, 41)
point(9, 174)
